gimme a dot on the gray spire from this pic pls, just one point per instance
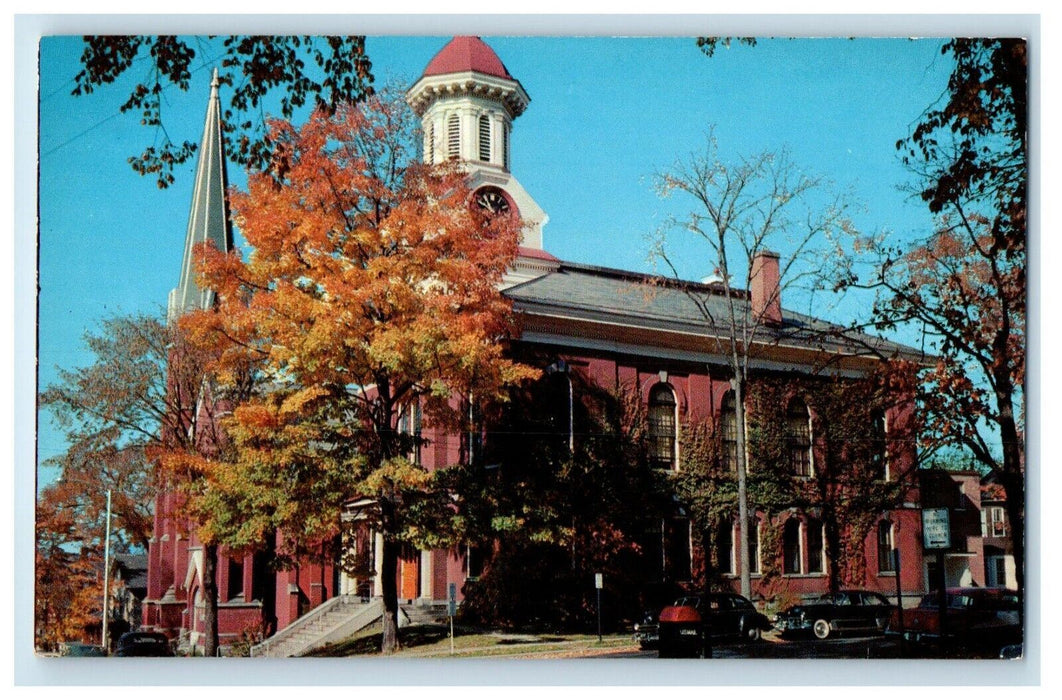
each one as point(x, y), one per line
point(209, 217)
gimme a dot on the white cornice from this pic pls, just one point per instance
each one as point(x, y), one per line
point(469, 83)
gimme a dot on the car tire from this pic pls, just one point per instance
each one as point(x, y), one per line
point(821, 629)
point(750, 630)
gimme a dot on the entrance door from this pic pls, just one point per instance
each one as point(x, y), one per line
point(409, 565)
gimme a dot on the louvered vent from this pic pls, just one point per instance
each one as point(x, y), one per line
point(484, 137)
point(453, 137)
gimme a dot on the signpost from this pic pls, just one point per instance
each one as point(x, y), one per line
point(452, 609)
point(599, 582)
point(936, 535)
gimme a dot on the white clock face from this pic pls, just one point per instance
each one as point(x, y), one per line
point(492, 200)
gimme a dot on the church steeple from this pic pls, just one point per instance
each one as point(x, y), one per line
point(467, 101)
point(209, 216)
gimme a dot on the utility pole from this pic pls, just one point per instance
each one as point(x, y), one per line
point(106, 572)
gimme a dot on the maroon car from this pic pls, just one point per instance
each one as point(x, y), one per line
point(975, 617)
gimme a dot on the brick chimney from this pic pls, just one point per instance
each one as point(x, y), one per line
point(764, 291)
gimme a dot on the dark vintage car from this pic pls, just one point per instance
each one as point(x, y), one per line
point(834, 613)
point(724, 615)
point(975, 617)
point(143, 644)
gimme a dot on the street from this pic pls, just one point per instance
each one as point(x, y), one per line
point(773, 647)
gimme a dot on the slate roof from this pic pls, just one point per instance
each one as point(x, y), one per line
point(594, 293)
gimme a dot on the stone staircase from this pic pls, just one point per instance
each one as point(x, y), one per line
point(338, 619)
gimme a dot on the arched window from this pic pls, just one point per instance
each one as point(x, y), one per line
point(791, 547)
point(484, 137)
point(885, 546)
point(816, 549)
point(453, 137)
point(429, 144)
point(728, 427)
point(662, 427)
point(798, 438)
point(879, 453)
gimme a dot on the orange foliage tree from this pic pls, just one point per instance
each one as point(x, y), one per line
point(964, 283)
point(372, 289)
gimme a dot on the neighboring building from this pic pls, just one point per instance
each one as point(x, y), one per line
point(1000, 570)
point(612, 329)
point(960, 493)
point(130, 589)
point(981, 552)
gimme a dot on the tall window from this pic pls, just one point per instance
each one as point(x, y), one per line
point(791, 547)
point(235, 587)
point(728, 424)
point(677, 549)
point(878, 446)
point(798, 438)
point(754, 546)
point(484, 137)
point(429, 144)
point(816, 551)
point(885, 545)
point(453, 137)
point(995, 522)
point(724, 543)
point(662, 427)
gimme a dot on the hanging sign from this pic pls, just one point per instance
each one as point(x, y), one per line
point(936, 528)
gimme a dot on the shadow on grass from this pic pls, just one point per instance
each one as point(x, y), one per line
point(370, 641)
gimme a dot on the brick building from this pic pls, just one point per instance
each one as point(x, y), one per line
point(610, 329)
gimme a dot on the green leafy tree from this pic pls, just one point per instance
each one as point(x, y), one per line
point(319, 72)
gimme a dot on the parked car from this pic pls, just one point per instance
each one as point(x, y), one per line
point(81, 649)
point(143, 644)
point(683, 632)
point(723, 615)
point(844, 611)
point(975, 617)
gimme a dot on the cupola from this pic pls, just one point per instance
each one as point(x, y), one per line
point(467, 100)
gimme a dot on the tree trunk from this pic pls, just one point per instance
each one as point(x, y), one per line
point(210, 600)
point(743, 504)
point(389, 582)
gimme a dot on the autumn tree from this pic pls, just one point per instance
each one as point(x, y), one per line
point(964, 283)
point(742, 212)
point(68, 563)
point(372, 289)
point(322, 72)
point(112, 412)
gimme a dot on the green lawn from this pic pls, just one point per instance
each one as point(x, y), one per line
point(434, 640)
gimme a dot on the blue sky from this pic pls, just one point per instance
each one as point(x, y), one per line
point(605, 115)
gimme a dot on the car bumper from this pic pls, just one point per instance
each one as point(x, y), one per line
point(790, 624)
